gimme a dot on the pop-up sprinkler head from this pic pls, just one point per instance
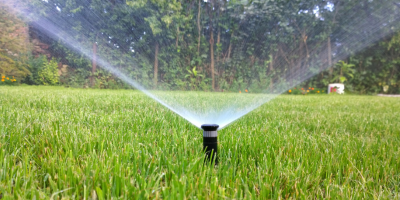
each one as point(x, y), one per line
point(210, 141)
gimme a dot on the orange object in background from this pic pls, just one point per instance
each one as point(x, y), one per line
point(290, 91)
point(246, 90)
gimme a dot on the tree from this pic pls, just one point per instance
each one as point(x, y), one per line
point(14, 43)
point(212, 71)
point(262, 45)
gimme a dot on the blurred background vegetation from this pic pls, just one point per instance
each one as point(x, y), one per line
point(185, 46)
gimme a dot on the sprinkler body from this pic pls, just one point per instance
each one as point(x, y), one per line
point(210, 141)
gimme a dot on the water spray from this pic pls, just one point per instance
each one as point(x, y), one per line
point(210, 141)
point(59, 23)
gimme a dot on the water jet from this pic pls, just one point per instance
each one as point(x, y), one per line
point(210, 141)
point(127, 50)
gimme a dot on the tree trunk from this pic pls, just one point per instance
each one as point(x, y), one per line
point(230, 43)
point(305, 44)
point(271, 70)
point(218, 36)
point(230, 47)
point(212, 46)
point(218, 42)
point(330, 57)
point(198, 28)
point(155, 66)
point(177, 37)
point(94, 64)
point(212, 57)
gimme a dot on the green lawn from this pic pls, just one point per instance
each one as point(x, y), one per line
point(82, 144)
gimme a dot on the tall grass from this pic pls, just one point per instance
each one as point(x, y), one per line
point(101, 144)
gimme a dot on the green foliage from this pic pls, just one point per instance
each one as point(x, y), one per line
point(257, 44)
point(306, 91)
point(196, 79)
point(43, 72)
point(343, 71)
point(8, 80)
point(35, 65)
point(48, 73)
point(13, 43)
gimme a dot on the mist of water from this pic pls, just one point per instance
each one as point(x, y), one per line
point(217, 107)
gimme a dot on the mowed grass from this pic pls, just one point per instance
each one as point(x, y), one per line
point(65, 143)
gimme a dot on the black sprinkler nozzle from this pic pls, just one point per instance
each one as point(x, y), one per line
point(210, 141)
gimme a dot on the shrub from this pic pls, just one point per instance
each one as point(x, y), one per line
point(48, 74)
point(305, 90)
point(43, 72)
point(8, 80)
